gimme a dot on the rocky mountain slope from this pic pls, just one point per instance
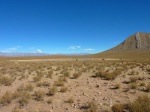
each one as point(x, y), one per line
point(140, 41)
point(135, 47)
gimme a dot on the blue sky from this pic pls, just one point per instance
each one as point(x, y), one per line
point(70, 26)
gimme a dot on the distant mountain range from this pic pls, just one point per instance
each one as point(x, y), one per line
point(37, 54)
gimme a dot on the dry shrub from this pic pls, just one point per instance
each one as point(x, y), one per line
point(52, 91)
point(63, 89)
point(141, 104)
point(118, 108)
point(39, 95)
point(70, 100)
point(37, 78)
point(24, 98)
point(147, 88)
point(49, 75)
point(45, 84)
point(90, 107)
point(6, 99)
point(59, 82)
point(76, 75)
point(5, 80)
point(49, 101)
point(133, 79)
point(133, 85)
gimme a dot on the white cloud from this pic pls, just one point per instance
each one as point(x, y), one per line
point(39, 51)
point(75, 47)
point(89, 49)
point(12, 49)
point(116, 43)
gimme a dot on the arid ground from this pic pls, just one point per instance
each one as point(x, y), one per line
point(72, 85)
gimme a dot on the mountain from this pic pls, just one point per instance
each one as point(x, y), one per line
point(140, 41)
point(136, 46)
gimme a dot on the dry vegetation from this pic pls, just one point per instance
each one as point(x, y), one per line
point(91, 85)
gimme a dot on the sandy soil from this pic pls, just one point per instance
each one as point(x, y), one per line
point(82, 90)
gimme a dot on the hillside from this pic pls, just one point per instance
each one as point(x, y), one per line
point(136, 46)
point(140, 41)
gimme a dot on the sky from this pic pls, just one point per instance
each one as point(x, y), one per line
point(70, 26)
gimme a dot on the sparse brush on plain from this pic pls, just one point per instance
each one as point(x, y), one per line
point(63, 89)
point(116, 86)
point(66, 74)
point(37, 78)
point(147, 88)
point(133, 85)
point(29, 87)
point(107, 76)
point(5, 80)
point(45, 84)
point(49, 101)
point(59, 82)
point(90, 107)
point(52, 91)
point(70, 100)
point(49, 74)
point(76, 75)
point(6, 99)
point(148, 70)
point(17, 110)
point(39, 95)
point(24, 98)
point(133, 79)
point(118, 107)
point(141, 104)
point(99, 74)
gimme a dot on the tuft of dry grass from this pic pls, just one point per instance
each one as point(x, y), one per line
point(6, 99)
point(90, 107)
point(39, 95)
point(63, 89)
point(52, 91)
point(118, 108)
point(5, 80)
point(70, 100)
point(141, 104)
point(76, 75)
